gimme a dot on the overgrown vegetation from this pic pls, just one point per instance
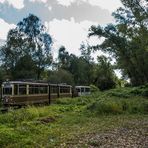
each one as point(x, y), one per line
point(69, 119)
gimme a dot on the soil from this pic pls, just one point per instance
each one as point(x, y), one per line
point(133, 135)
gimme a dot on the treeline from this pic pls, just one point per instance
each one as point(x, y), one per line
point(27, 52)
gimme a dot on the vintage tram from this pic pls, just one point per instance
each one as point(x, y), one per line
point(82, 90)
point(19, 93)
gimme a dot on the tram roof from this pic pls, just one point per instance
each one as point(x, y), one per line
point(82, 86)
point(34, 83)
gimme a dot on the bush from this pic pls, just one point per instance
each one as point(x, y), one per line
point(94, 88)
point(118, 106)
point(103, 107)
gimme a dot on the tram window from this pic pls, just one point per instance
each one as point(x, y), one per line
point(53, 89)
point(42, 89)
point(78, 89)
point(82, 89)
point(33, 89)
point(36, 89)
point(7, 91)
point(64, 89)
point(22, 89)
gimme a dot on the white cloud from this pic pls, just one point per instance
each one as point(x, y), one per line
point(44, 1)
point(19, 4)
point(49, 8)
point(110, 5)
point(2, 1)
point(66, 2)
point(69, 33)
point(5, 27)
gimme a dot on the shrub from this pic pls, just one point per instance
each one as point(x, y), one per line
point(94, 88)
point(103, 107)
point(118, 106)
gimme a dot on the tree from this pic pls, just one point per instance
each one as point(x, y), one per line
point(104, 75)
point(63, 57)
point(28, 38)
point(61, 76)
point(127, 40)
point(86, 52)
point(25, 68)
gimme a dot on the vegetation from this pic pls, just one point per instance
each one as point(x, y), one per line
point(127, 40)
point(27, 44)
point(71, 120)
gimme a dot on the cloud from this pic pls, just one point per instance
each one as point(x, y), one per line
point(69, 33)
point(66, 2)
point(53, 10)
point(18, 4)
point(5, 27)
point(44, 1)
point(110, 5)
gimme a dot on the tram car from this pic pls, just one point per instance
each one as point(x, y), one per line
point(82, 90)
point(19, 93)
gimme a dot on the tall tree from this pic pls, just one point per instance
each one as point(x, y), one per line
point(104, 75)
point(127, 40)
point(79, 67)
point(28, 38)
point(25, 68)
point(64, 58)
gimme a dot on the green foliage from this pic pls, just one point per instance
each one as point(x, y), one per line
point(104, 76)
point(93, 88)
point(69, 119)
point(60, 76)
point(84, 100)
point(127, 40)
point(25, 68)
point(80, 68)
point(28, 39)
point(102, 107)
point(120, 101)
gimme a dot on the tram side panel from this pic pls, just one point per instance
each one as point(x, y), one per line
point(33, 93)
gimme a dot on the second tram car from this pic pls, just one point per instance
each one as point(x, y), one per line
point(82, 90)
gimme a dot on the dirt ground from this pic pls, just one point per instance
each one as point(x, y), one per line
point(133, 135)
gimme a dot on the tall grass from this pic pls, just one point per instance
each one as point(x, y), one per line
point(116, 107)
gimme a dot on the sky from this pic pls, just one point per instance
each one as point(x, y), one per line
point(67, 21)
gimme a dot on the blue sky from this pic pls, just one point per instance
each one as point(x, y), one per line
point(67, 21)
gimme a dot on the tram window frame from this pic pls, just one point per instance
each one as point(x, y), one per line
point(78, 89)
point(22, 89)
point(7, 88)
point(54, 89)
point(82, 89)
point(38, 89)
point(43, 89)
point(64, 89)
point(32, 89)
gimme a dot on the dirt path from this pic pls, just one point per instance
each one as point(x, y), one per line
point(133, 135)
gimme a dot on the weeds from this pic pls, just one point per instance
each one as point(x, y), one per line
point(70, 118)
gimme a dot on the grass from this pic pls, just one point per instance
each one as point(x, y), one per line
point(65, 122)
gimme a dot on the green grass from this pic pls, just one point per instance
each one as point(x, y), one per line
point(69, 119)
